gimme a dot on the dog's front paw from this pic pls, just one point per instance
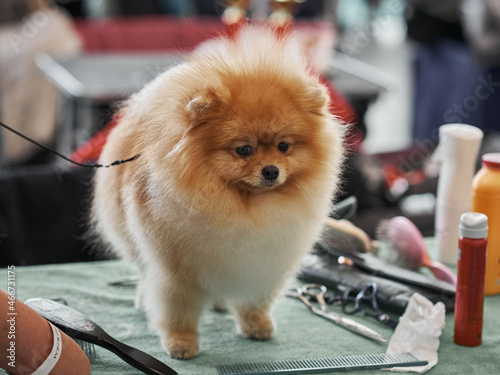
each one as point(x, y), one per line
point(181, 345)
point(257, 325)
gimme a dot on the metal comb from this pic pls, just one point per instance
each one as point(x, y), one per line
point(316, 366)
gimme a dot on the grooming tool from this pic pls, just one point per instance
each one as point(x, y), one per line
point(342, 232)
point(78, 326)
point(318, 292)
point(346, 236)
point(316, 366)
point(345, 209)
point(327, 251)
point(409, 243)
point(395, 284)
point(352, 305)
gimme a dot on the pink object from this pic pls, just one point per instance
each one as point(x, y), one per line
point(409, 243)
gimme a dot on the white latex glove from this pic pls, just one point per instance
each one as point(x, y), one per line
point(418, 332)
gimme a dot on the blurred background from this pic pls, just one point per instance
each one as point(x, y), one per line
point(397, 70)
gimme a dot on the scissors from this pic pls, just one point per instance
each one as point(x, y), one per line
point(318, 292)
point(352, 305)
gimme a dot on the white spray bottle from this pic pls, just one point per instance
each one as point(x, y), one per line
point(457, 150)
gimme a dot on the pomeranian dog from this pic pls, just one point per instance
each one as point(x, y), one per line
point(239, 159)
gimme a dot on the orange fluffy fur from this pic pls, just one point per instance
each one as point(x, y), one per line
point(202, 221)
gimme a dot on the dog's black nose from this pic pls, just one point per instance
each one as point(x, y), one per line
point(270, 172)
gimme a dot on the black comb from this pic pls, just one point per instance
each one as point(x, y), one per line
point(79, 327)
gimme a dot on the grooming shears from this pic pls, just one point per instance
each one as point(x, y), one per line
point(318, 292)
point(367, 297)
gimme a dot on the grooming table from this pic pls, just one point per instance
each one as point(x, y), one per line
point(299, 334)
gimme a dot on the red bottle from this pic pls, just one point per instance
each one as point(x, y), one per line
point(471, 269)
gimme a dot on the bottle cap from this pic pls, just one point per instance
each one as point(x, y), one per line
point(491, 160)
point(473, 225)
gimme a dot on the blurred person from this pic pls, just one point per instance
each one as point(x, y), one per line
point(27, 99)
point(457, 59)
point(481, 19)
point(481, 22)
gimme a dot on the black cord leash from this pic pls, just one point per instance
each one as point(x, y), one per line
point(95, 165)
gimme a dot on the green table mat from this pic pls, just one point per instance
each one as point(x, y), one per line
point(299, 333)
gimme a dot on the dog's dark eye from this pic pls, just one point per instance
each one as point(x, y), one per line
point(244, 150)
point(283, 147)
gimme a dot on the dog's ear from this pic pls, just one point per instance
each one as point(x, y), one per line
point(317, 99)
point(198, 105)
point(205, 106)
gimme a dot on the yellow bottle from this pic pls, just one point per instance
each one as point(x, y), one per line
point(486, 199)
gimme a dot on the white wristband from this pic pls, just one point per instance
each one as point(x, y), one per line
point(54, 355)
